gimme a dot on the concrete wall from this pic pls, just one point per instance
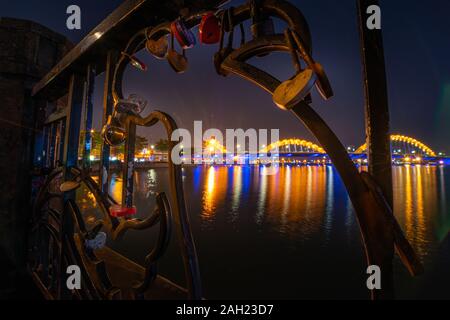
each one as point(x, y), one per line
point(27, 52)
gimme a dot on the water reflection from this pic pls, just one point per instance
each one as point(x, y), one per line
point(262, 195)
point(209, 195)
point(416, 204)
point(300, 209)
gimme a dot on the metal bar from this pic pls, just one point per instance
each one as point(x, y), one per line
point(89, 110)
point(376, 102)
point(71, 148)
point(108, 105)
point(63, 136)
point(52, 145)
point(376, 227)
point(45, 146)
point(75, 106)
point(58, 134)
point(128, 168)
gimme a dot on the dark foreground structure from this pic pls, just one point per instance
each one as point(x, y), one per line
point(27, 52)
point(46, 117)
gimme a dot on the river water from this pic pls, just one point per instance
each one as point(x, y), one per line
point(293, 235)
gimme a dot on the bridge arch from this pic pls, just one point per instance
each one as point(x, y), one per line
point(405, 139)
point(297, 142)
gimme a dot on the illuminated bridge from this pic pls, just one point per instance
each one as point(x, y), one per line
point(404, 150)
point(403, 145)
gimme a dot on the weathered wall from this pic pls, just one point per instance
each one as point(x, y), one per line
point(27, 52)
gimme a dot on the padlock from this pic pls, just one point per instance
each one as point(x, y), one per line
point(178, 62)
point(298, 88)
point(133, 105)
point(122, 212)
point(113, 134)
point(158, 48)
point(292, 91)
point(184, 36)
point(209, 29)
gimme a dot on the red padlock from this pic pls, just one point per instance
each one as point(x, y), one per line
point(121, 212)
point(184, 36)
point(209, 29)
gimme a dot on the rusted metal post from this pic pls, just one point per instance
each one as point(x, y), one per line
point(376, 102)
point(128, 168)
point(52, 153)
point(108, 105)
point(377, 116)
point(88, 114)
point(71, 148)
point(45, 136)
point(75, 106)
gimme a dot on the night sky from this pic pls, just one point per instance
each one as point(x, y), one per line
point(417, 49)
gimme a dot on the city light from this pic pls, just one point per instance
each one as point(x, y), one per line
point(293, 149)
